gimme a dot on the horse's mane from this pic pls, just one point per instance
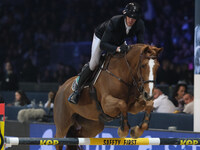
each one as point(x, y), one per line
point(141, 47)
point(136, 47)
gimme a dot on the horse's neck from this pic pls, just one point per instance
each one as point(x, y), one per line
point(118, 66)
point(125, 66)
point(133, 58)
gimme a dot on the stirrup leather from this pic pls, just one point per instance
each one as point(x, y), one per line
point(73, 98)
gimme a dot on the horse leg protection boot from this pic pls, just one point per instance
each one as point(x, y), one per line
point(84, 75)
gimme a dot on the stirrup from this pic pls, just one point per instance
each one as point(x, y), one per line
point(75, 84)
point(74, 97)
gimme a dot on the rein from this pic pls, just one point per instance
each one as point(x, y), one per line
point(134, 83)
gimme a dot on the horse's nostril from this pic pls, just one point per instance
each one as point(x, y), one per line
point(151, 98)
point(146, 95)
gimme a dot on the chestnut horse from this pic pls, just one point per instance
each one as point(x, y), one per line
point(124, 86)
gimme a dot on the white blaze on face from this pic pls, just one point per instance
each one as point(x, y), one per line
point(151, 77)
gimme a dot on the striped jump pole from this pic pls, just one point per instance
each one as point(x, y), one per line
point(101, 141)
point(2, 125)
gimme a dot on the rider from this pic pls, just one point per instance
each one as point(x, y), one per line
point(110, 36)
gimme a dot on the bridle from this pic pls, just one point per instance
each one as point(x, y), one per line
point(140, 87)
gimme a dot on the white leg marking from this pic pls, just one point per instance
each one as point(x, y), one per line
point(151, 77)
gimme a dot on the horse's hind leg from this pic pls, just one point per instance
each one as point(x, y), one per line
point(62, 131)
point(72, 132)
point(89, 128)
point(137, 131)
point(84, 128)
point(63, 119)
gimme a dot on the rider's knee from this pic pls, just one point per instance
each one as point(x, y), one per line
point(93, 65)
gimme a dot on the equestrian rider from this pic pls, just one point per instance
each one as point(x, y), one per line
point(110, 36)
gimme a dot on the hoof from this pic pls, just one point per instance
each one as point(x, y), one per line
point(122, 134)
point(136, 132)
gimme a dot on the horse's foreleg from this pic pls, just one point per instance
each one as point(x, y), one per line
point(113, 106)
point(137, 107)
point(123, 130)
point(137, 131)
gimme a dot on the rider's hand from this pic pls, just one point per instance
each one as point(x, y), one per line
point(118, 50)
point(123, 48)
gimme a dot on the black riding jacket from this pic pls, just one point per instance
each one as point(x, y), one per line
point(113, 32)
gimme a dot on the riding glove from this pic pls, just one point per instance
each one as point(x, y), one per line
point(123, 48)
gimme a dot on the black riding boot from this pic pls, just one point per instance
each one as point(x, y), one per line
point(85, 74)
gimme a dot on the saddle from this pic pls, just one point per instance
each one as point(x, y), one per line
point(90, 82)
point(104, 61)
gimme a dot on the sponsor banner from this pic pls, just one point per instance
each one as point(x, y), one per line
point(2, 124)
point(48, 131)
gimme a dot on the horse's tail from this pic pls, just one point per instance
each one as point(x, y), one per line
point(73, 132)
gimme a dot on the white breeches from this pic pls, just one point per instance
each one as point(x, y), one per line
point(95, 54)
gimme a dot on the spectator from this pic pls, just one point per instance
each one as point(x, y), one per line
point(161, 102)
point(21, 37)
point(9, 81)
point(20, 99)
point(189, 103)
point(50, 102)
point(177, 98)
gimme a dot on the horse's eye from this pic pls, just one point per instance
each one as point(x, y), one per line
point(142, 66)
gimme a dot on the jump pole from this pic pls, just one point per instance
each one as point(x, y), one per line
point(1, 135)
point(11, 141)
point(2, 125)
point(101, 141)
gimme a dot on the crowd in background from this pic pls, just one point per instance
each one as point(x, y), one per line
point(29, 27)
point(181, 101)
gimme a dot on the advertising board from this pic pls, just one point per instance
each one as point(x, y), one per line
point(48, 131)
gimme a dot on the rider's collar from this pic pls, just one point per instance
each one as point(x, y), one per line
point(127, 27)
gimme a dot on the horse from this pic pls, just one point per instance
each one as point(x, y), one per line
point(125, 85)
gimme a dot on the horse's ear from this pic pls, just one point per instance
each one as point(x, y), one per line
point(145, 49)
point(158, 50)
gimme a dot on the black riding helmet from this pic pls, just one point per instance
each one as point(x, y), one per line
point(132, 10)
